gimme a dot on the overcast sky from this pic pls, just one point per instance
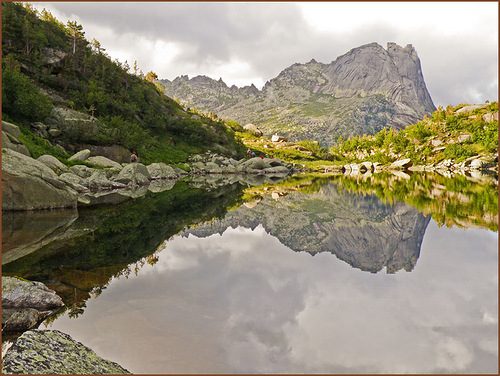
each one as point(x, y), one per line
point(251, 43)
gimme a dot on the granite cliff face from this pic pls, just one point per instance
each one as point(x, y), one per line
point(359, 230)
point(362, 91)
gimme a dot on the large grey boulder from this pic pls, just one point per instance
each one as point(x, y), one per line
point(25, 304)
point(100, 161)
point(133, 173)
point(255, 164)
point(11, 142)
point(401, 164)
point(54, 352)
point(75, 125)
point(161, 171)
point(253, 129)
point(98, 181)
point(74, 181)
point(11, 129)
point(82, 171)
point(29, 184)
point(53, 163)
point(17, 293)
point(80, 156)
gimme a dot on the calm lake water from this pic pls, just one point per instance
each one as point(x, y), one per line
point(307, 275)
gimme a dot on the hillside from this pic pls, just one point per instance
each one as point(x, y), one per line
point(67, 94)
point(362, 91)
point(455, 134)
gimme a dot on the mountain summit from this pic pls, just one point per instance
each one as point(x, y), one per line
point(362, 91)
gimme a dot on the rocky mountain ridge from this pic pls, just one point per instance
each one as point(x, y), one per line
point(362, 91)
point(359, 230)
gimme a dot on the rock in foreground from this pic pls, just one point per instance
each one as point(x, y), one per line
point(53, 352)
point(25, 304)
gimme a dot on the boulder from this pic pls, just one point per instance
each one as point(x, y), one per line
point(98, 181)
point(278, 138)
point(117, 153)
point(54, 352)
point(29, 184)
point(52, 56)
point(82, 171)
point(436, 142)
point(53, 163)
point(490, 117)
point(161, 171)
point(20, 320)
point(80, 156)
point(17, 293)
point(134, 173)
point(256, 163)
point(74, 181)
point(463, 138)
point(401, 164)
point(11, 129)
point(470, 108)
point(476, 164)
point(253, 129)
point(54, 132)
point(100, 161)
point(74, 124)
point(11, 142)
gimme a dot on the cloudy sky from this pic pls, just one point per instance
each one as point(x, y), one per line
point(251, 43)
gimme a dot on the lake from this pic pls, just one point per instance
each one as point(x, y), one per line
point(311, 274)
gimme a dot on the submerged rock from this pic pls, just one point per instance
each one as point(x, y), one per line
point(54, 352)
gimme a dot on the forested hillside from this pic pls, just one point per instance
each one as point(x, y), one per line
point(63, 89)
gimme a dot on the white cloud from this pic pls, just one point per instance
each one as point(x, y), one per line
point(252, 42)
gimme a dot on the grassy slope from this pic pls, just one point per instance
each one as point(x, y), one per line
point(416, 141)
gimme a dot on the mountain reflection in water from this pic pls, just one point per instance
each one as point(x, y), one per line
point(207, 280)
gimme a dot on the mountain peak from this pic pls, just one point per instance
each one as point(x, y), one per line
point(362, 91)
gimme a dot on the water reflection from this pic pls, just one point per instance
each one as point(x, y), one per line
point(243, 302)
point(216, 277)
point(359, 230)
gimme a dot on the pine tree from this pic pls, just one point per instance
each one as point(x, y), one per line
point(76, 33)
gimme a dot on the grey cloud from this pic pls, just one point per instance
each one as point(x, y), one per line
point(270, 37)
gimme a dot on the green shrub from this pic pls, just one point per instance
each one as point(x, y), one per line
point(21, 97)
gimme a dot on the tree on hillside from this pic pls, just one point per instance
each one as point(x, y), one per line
point(136, 67)
point(151, 76)
point(76, 33)
point(96, 46)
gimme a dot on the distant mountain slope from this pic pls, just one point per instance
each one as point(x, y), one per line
point(360, 92)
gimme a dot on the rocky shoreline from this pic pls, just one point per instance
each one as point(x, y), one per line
point(47, 183)
point(476, 168)
point(25, 305)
